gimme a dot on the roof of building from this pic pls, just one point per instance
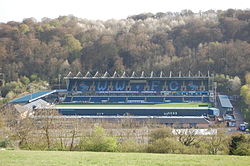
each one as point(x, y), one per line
point(162, 119)
point(36, 103)
point(135, 75)
point(31, 97)
point(185, 119)
point(224, 101)
point(26, 110)
point(126, 108)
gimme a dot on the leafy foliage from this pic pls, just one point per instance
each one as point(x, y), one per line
point(245, 94)
point(213, 40)
point(240, 145)
point(99, 142)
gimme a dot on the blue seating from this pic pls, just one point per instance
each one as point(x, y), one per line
point(67, 99)
point(98, 99)
point(155, 99)
point(174, 99)
point(79, 98)
point(136, 98)
point(206, 99)
point(117, 99)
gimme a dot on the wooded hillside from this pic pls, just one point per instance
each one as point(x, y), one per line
point(34, 53)
point(218, 41)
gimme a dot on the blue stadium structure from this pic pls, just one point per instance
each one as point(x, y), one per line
point(189, 98)
point(138, 89)
point(137, 95)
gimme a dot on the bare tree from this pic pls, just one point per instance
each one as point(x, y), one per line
point(22, 131)
point(73, 133)
point(217, 142)
point(46, 119)
point(186, 136)
point(61, 133)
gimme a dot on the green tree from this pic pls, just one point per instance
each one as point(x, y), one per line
point(24, 28)
point(99, 142)
point(218, 143)
point(25, 80)
point(244, 90)
point(73, 46)
point(240, 145)
point(160, 133)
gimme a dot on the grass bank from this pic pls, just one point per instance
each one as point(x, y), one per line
point(62, 158)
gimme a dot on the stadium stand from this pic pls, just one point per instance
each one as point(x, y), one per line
point(32, 97)
point(225, 105)
point(137, 91)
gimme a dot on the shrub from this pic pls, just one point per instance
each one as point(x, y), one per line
point(240, 145)
point(34, 143)
point(166, 145)
point(4, 143)
point(243, 149)
point(217, 144)
point(199, 147)
point(131, 145)
point(160, 133)
point(98, 142)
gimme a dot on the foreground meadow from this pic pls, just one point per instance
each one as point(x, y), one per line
point(63, 158)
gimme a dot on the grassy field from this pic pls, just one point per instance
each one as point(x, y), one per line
point(136, 105)
point(53, 158)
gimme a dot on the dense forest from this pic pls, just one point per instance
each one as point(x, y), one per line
point(215, 41)
point(218, 41)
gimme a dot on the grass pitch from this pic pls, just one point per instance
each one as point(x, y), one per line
point(136, 105)
point(62, 158)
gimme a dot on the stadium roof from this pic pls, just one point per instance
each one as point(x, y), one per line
point(224, 101)
point(163, 119)
point(98, 75)
point(127, 108)
point(31, 97)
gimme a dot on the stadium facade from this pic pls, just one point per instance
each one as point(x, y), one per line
point(139, 89)
point(103, 95)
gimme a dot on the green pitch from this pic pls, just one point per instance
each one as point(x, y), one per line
point(137, 105)
point(60, 158)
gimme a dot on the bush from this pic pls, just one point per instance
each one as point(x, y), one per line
point(240, 145)
point(166, 145)
point(4, 143)
point(199, 147)
point(98, 142)
point(160, 133)
point(217, 144)
point(34, 143)
point(131, 145)
point(243, 149)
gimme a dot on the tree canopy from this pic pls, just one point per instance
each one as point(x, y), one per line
point(218, 41)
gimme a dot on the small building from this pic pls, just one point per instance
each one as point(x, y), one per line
point(187, 122)
point(178, 122)
point(225, 105)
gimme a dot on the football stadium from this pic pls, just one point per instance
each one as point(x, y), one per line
point(186, 99)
